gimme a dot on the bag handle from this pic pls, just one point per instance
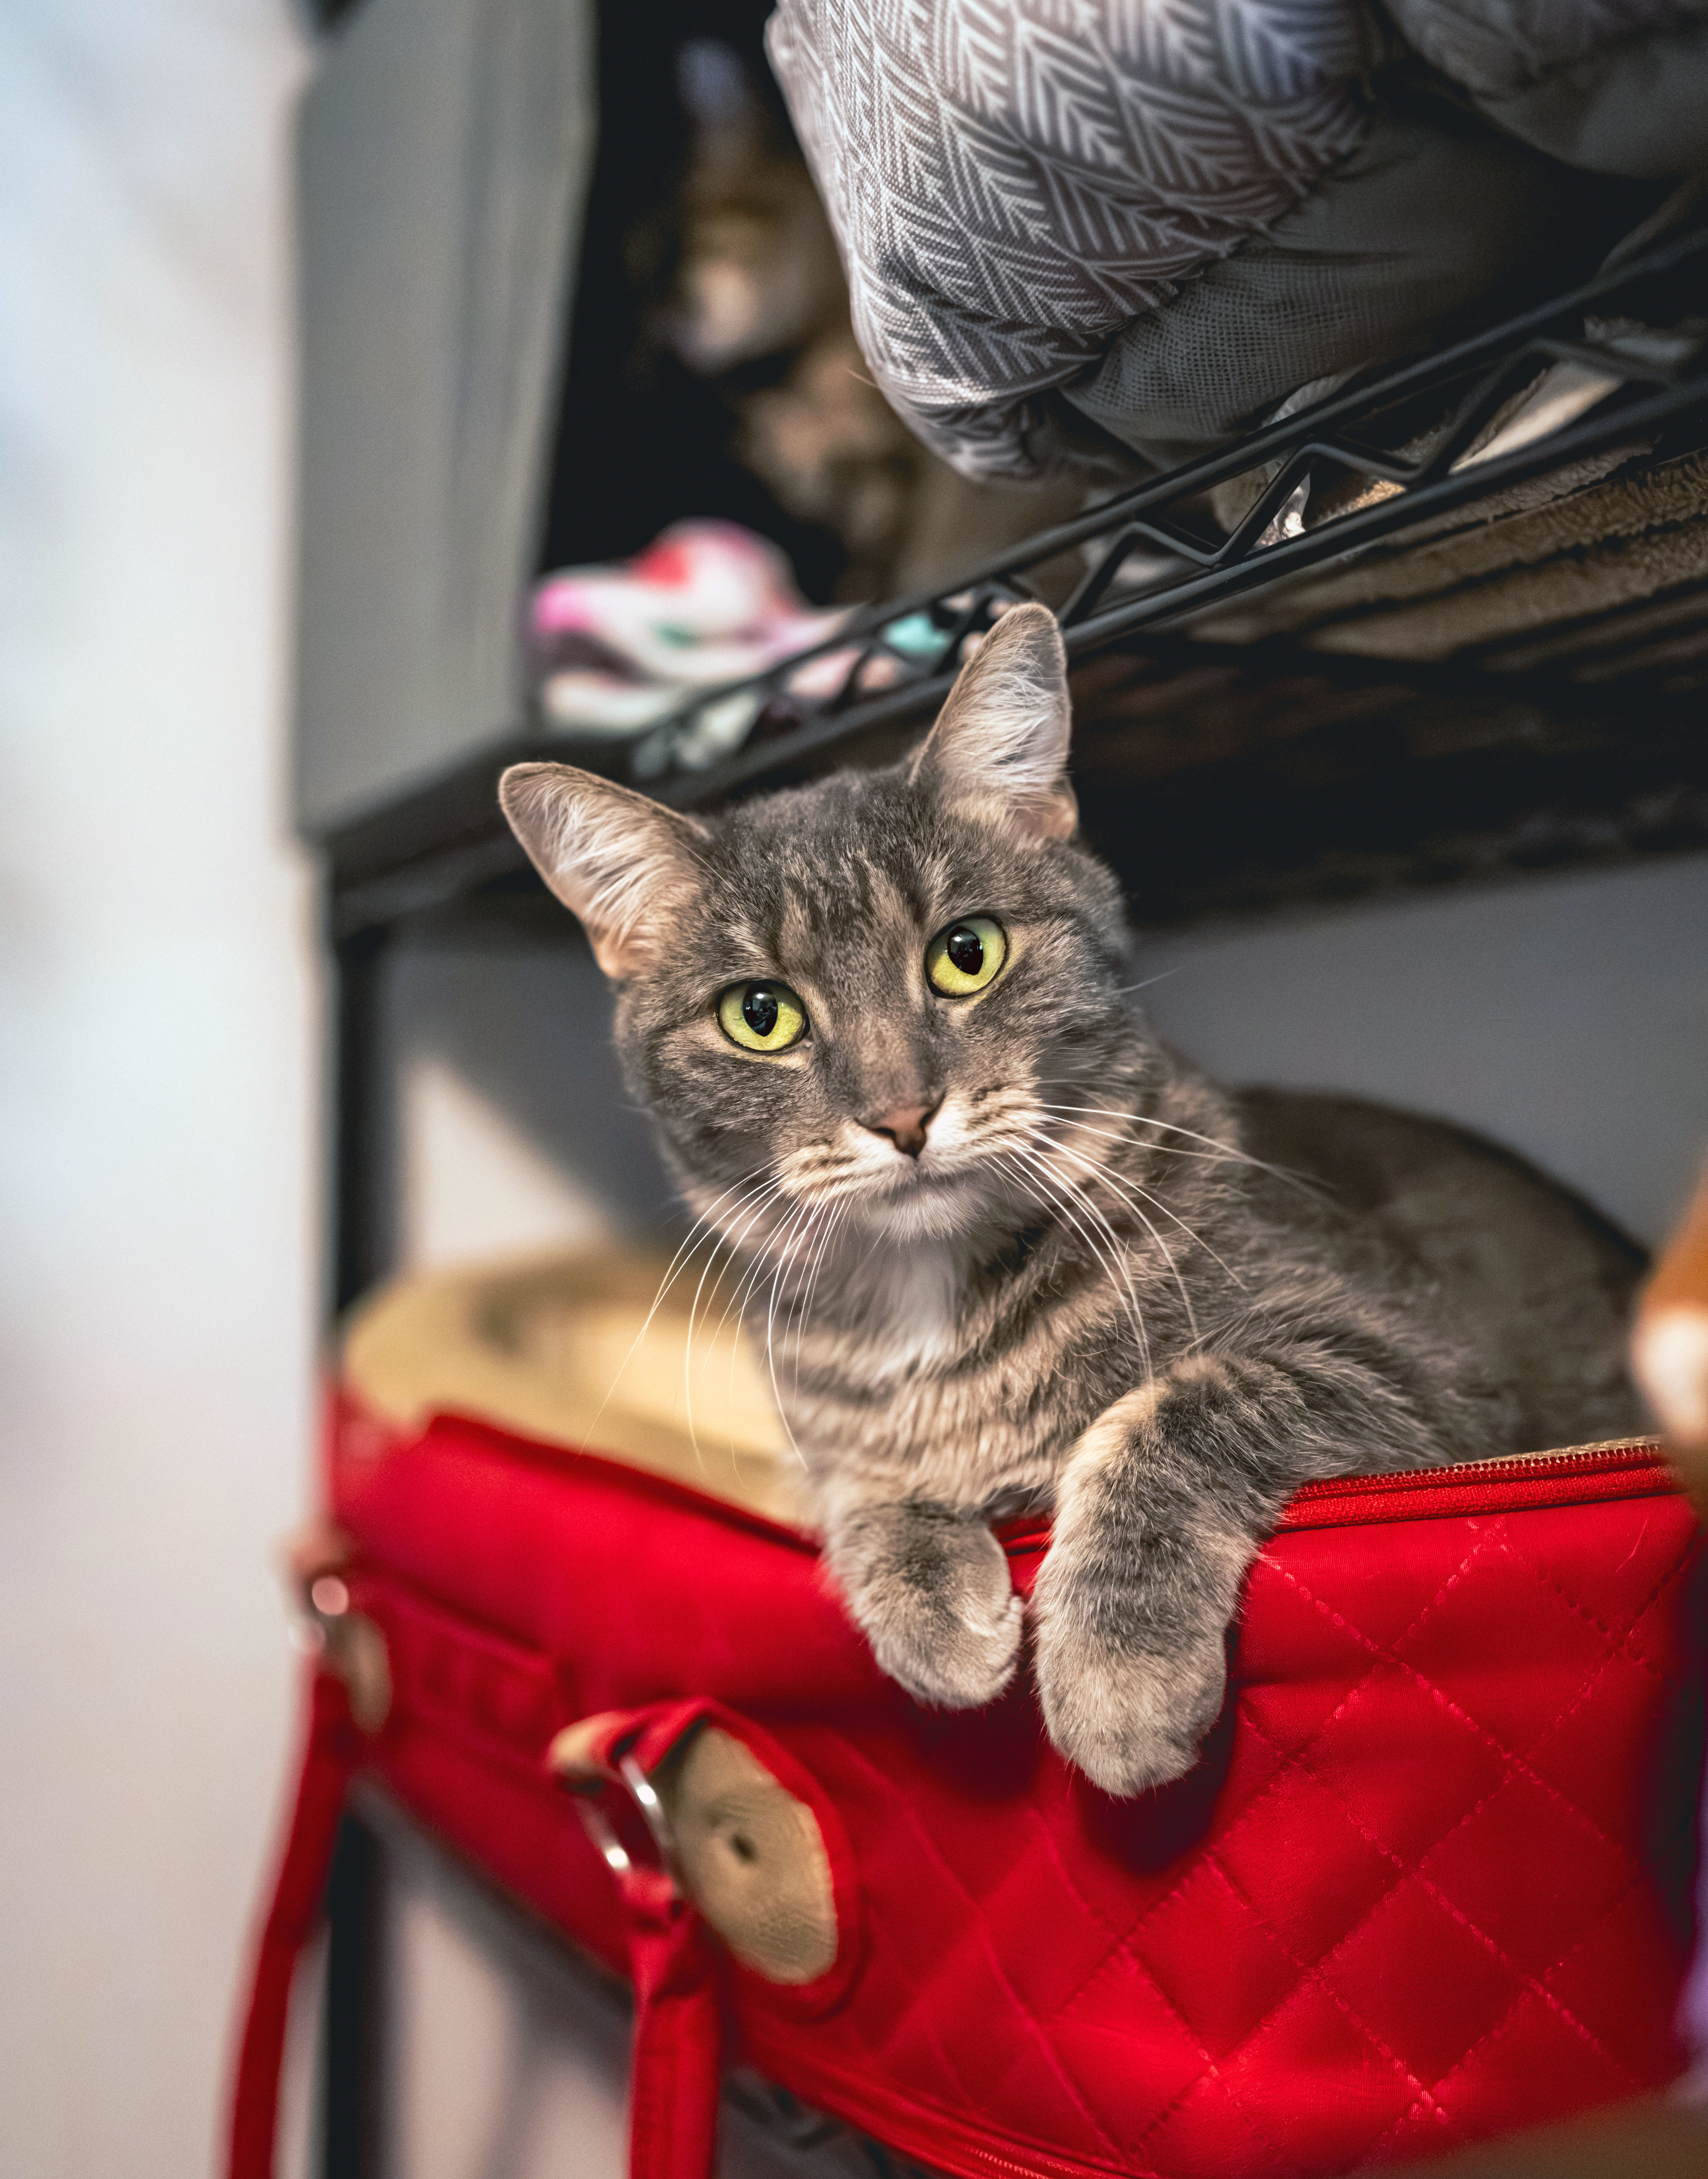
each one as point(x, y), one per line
point(675, 2075)
point(331, 1744)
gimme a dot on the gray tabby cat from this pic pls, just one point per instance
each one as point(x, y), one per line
point(1035, 1258)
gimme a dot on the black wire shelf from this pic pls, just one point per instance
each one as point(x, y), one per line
point(1617, 368)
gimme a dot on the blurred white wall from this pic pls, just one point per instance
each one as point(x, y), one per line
point(158, 1076)
point(1566, 1015)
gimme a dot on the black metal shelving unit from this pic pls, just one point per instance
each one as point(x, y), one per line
point(1405, 432)
point(1219, 773)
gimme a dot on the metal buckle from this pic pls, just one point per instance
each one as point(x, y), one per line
point(602, 1832)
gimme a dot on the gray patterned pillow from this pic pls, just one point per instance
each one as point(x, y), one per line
point(1026, 193)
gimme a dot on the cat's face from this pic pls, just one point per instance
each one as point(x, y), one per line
point(864, 995)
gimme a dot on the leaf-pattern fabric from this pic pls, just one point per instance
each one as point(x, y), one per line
point(1015, 183)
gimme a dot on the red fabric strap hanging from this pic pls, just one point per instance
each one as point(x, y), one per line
point(673, 2108)
point(674, 2089)
point(331, 1744)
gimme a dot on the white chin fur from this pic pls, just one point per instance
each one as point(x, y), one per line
point(924, 1213)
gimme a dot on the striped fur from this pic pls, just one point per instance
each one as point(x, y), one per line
point(1106, 1285)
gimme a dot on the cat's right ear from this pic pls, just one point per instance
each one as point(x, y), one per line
point(626, 866)
point(999, 748)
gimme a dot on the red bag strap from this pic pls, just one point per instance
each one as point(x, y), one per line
point(674, 2085)
point(329, 1745)
point(676, 2077)
point(674, 2091)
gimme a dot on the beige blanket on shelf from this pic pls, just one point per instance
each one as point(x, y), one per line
point(573, 1351)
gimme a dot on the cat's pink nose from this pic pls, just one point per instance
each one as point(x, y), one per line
point(906, 1126)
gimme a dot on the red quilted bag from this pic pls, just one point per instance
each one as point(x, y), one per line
point(1429, 1882)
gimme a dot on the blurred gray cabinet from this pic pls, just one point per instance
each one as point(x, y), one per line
point(442, 166)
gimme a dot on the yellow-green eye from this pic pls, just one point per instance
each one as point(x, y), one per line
point(966, 956)
point(762, 1016)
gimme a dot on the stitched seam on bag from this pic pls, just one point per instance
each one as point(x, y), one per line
point(1309, 1971)
point(1514, 1763)
point(1506, 2019)
point(1616, 1654)
point(1314, 1968)
point(1415, 1871)
point(1494, 1533)
point(1255, 1806)
point(1314, 1971)
point(1073, 2092)
point(1496, 1748)
point(1620, 1644)
point(1521, 1766)
point(1212, 2067)
point(921, 2104)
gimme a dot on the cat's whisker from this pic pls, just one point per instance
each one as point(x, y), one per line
point(1127, 1185)
point(769, 1193)
point(1144, 984)
point(835, 1214)
point(1225, 1151)
point(1092, 1211)
point(1114, 1261)
point(771, 1355)
point(1129, 1191)
point(1084, 1195)
point(1055, 1199)
point(755, 1272)
point(701, 1229)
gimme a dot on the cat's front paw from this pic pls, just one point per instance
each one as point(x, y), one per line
point(931, 1592)
point(1129, 1721)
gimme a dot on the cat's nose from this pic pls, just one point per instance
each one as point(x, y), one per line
point(906, 1126)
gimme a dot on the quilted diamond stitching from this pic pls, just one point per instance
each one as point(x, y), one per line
point(1519, 1766)
point(1620, 1642)
point(1516, 1765)
point(1445, 1900)
point(1052, 2057)
point(1458, 1711)
point(1255, 1806)
point(1310, 1968)
point(1211, 2069)
point(1484, 1540)
point(1378, 1654)
point(1490, 2035)
point(1426, 2096)
point(1308, 1971)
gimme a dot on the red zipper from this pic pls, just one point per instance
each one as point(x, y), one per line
point(1577, 1475)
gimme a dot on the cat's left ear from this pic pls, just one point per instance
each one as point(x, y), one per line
point(625, 865)
point(999, 748)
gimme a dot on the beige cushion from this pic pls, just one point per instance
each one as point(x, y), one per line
point(581, 1351)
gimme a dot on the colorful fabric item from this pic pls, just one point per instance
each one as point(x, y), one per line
point(619, 648)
